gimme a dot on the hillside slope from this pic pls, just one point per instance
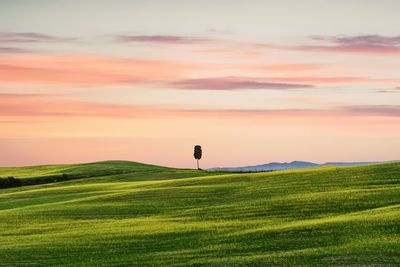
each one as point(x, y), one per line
point(320, 216)
point(87, 169)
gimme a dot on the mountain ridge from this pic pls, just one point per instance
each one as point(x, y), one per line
point(275, 166)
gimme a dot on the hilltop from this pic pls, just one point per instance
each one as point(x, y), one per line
point(125, 214)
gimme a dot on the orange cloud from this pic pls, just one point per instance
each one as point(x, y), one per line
point(87, 70)
point(289, 67)
point(98, 71)
point(32, 105)
point(26, 105)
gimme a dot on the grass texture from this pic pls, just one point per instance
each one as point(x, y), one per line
point(132, 214)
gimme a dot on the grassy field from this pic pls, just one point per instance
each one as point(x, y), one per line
point(131, 214)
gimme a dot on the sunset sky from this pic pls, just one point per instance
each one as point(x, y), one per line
point(250, 81)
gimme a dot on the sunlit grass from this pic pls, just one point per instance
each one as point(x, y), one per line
point(150, 215)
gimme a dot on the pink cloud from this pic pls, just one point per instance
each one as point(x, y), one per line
point(37, 105)
point(232, 83)
point(289, 67)
point(374, 110)
point(361, 49)
point(87, 70)
point(98, 71)
point(362, 44)
point(160, 39)
point(30, 37)
point(12, 50)
point(49, 105)
point(361, 40)
point(278, 83)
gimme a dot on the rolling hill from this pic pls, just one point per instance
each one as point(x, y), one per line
point(131, 214)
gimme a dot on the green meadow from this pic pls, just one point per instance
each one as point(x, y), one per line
point(130, 214)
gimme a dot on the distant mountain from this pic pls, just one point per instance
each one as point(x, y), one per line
point(274, 166)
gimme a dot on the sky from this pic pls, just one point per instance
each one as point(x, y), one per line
point(250, 81)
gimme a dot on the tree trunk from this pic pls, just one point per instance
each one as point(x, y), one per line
point(198, 165)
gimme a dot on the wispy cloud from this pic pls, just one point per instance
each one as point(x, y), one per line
point(14, 96)
point(374, 110)
point(161, 39)
point(13, 50)
point(100, 71)
point(289, 67)
point(233, 83)
point(30, 37)
point(81, 70)
point(384, 91)
point(272, 83)
point(388, 90)
point(335, 80)
point(363, 44)
point(37, 105)
point(220, 31)
point(361, 40)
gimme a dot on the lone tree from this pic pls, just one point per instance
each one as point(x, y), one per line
point(197, 154)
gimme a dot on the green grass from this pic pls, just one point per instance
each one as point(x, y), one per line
point(143, 215)
point(90, 169)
